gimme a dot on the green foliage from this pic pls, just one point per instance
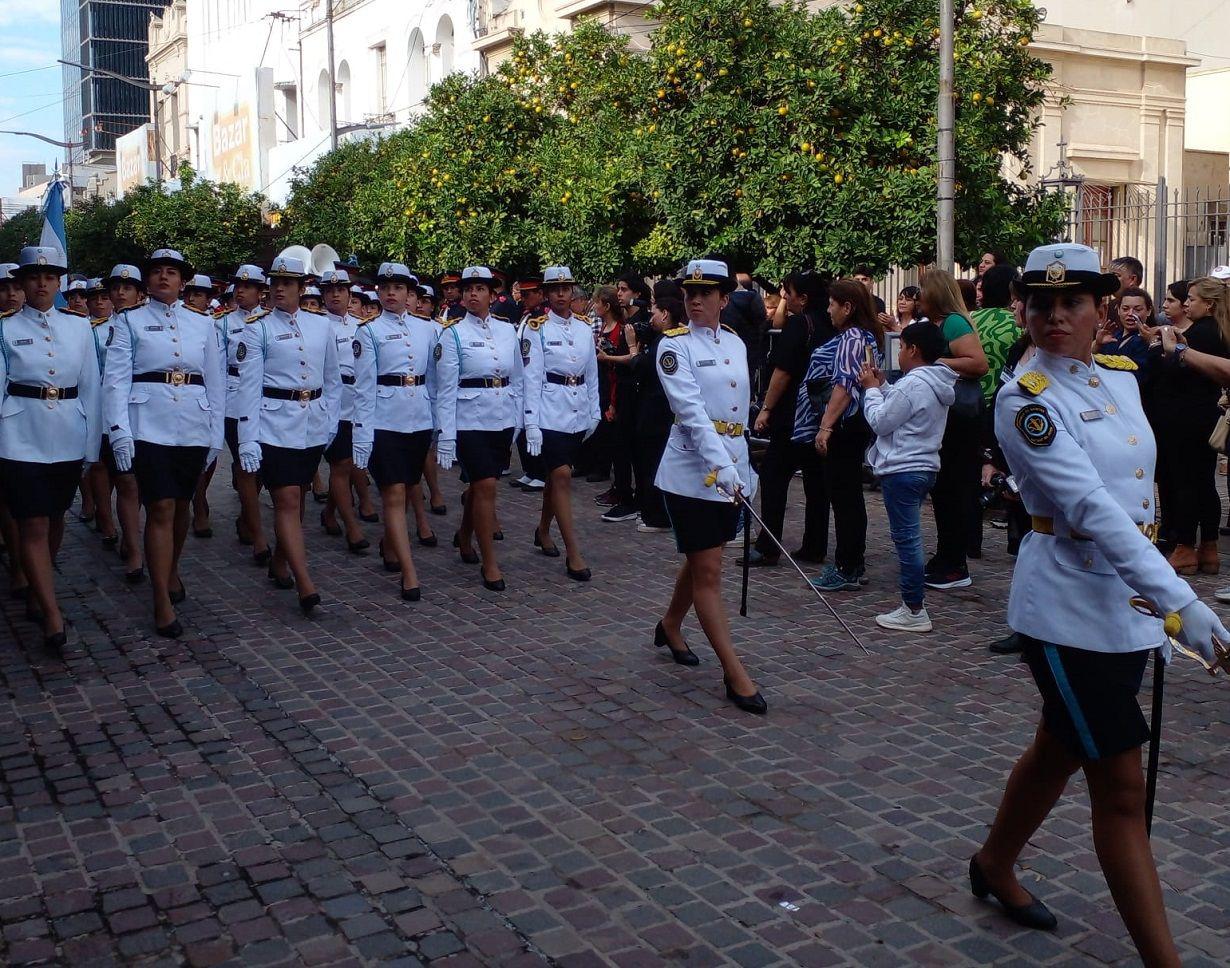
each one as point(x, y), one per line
point(216, 226)
point(778, 136)
point(98, 237)
point(24, 228)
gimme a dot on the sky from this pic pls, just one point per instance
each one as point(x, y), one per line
point(30, 86)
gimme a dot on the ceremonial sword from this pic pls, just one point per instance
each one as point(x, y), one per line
point(711, 479)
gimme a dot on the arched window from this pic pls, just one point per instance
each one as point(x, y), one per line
point(416, 69)
point(344, 115)
point(322, 100)
point(444, 40)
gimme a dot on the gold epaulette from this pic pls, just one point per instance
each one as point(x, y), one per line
point(192, 309)
point(259, 314)
point(450, 322)
point(313, 312)
point(728, 329)
point(1033, 382)
point(99, 321)
point(677, 331)
point(1115, 362)
point(73, 312)
point(11, 312)
point(536, 323)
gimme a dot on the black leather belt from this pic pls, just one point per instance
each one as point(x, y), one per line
point(41, 393)
point(564, 380)
point(303, 396)
point(403, 380)
point(348, 379)
point(483, 382)
point(232, 371)
point(176, 378)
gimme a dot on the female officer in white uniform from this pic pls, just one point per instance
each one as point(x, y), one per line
point(49, 423)
point(290, 396)
point(1072, 429)
point(126, 288)
point(249, 283)
point(164, 400)
point(394, 389)
point(478, 407)
point(704, 373)
point(561, 407)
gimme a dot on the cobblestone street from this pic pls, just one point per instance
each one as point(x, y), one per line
point(521, 778)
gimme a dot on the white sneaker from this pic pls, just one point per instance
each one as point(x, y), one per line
point(533, 484)
point(903, 620)
point(1222, 594)
point(644, 528)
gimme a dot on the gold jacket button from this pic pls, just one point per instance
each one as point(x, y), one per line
point(1140, 473)
point(1144, 503)
point(1112, 409)
point(1094, 381)
point(1132, 440)
point(1073, 368)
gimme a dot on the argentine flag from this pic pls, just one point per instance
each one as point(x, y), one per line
point(53, 225)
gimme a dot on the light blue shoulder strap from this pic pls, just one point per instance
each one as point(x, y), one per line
point(371, 338)
point(457, 340)
point(4, 346)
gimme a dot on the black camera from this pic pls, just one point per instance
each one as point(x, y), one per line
point(1002, 487)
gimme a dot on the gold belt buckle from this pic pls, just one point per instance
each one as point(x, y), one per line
point(407, 380)
point(178, 378)
point(52, 393)
point(305, 397)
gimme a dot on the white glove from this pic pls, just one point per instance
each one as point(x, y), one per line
point(728, 481)
point(212, 457)
point(533, 441)
point(446, 453)
point(250, 457)
point(122, 450)
point(589, 433)
point(1200, 626)
point(361, 453)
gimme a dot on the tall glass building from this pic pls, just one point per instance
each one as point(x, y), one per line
point(113, 35)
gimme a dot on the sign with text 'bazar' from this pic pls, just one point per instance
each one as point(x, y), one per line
point(234, 147)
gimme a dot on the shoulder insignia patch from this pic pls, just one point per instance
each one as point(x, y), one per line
point(438, 351)
point(525, 347)
point(73, 312)
point(1033, 382)
point(669, 363)
point(259, 314)
point(241, 353)
point(677, 331)
point(111, 337)
point(356, 347)
point(1115, 362)
point(1035, 424)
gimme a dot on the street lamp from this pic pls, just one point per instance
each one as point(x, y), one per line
point(168, 88)
point(68, 147)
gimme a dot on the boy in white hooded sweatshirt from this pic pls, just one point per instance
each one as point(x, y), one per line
point(908, 420)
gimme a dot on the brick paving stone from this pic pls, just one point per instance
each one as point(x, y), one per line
point(507, 780)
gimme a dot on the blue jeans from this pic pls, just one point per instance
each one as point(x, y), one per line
point(903, 497)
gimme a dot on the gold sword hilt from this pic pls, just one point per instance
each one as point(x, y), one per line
point(1172, 625)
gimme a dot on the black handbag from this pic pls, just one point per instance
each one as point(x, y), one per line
point(969, 403)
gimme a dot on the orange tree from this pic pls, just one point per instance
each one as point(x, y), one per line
point(787, 138)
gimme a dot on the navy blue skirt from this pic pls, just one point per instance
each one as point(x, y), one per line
point(699, 524)
point(34, 490)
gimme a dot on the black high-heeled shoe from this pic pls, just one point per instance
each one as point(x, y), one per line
point(320, 497)
point(202, 532)
point(110, 540)
point(577, 574)
point(430, 541)
point(492, 586)
point(749, 704)
point(497, 535)
point(332, 530)
point(411, 594)
point(369, 518)
point(285, 584)
point(179, 596)
point(134, 577)
point(240, 536)
point(55, 641)
point(684, 656)
point(172, 631)
point(357, 547)
point(392, 567)
point(308, 603)
point(1035, 914)
point(439, 509)
point(551, 552)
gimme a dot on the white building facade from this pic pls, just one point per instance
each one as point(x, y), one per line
point(260, 100)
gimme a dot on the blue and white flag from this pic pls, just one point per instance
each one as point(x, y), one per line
point(53, 225)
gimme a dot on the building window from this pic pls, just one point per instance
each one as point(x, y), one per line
point(322, 100)
point(444, 45)
point(416, 57)
point(344, 115)
point(382, 78)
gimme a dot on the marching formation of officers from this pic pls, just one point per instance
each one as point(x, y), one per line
point(135, 388)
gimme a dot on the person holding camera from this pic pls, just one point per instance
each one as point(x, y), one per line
point(908, 419)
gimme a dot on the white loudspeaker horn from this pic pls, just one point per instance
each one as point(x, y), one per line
point(300, 252)
point(324, 257)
